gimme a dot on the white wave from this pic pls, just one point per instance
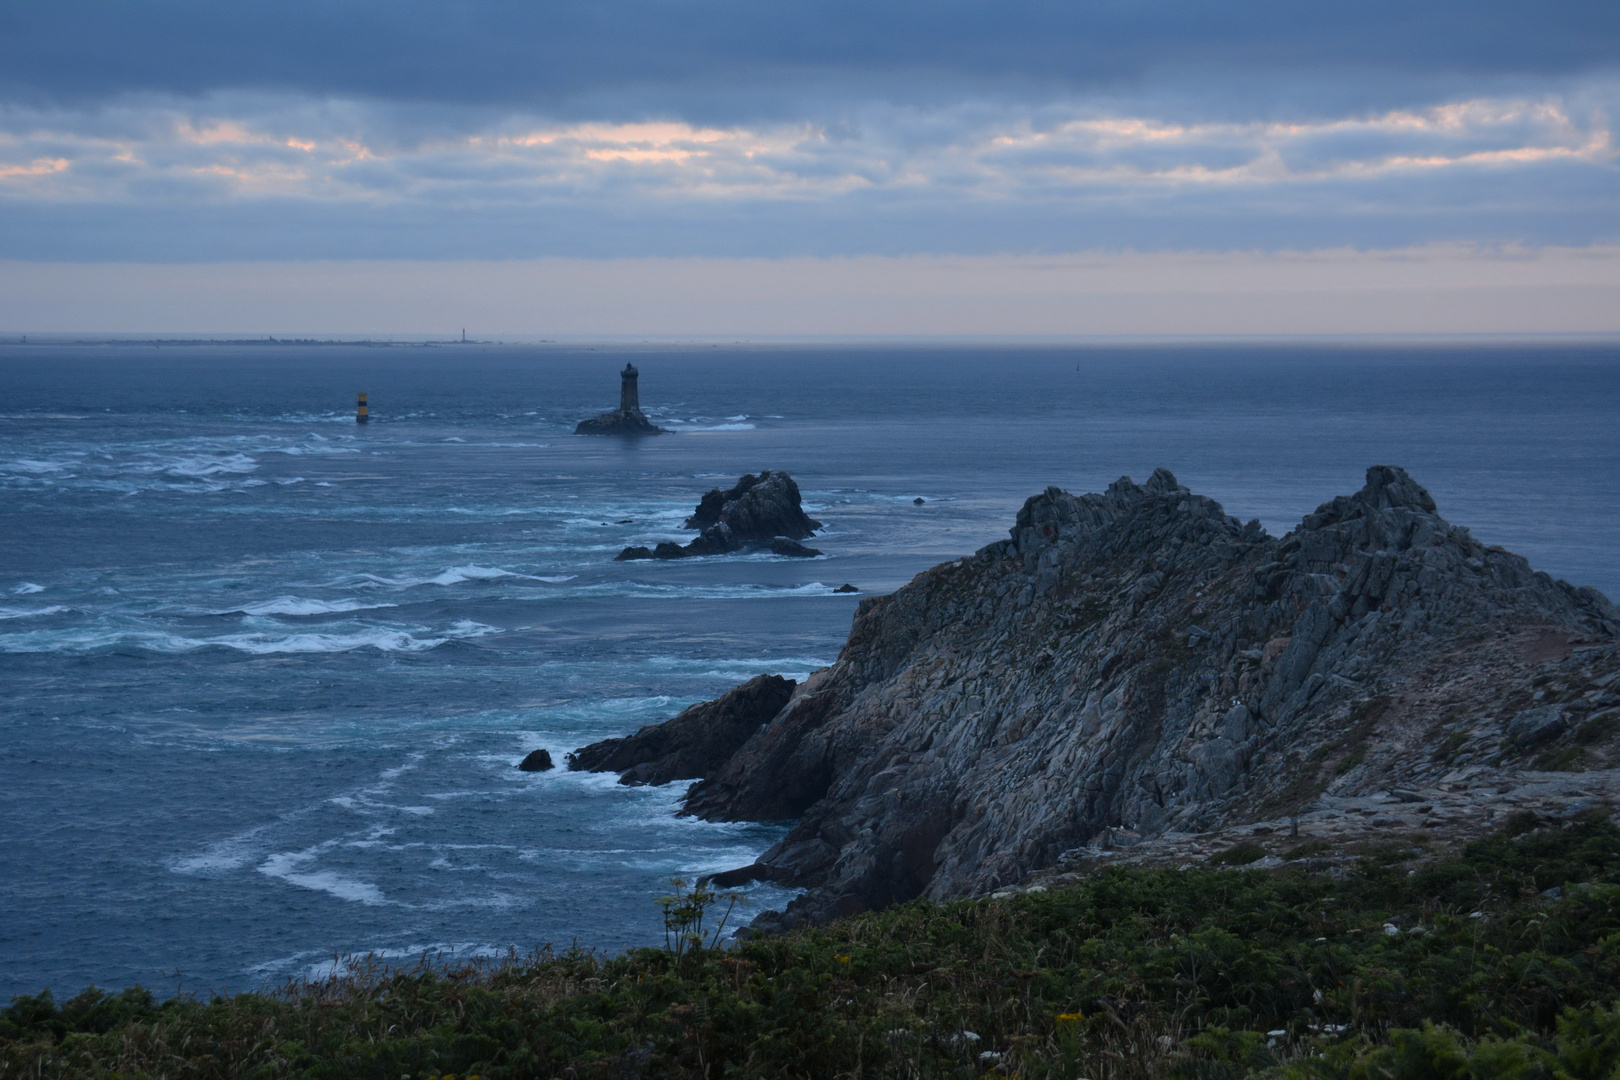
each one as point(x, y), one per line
point(455, 575)
point(329, 966)
point(221, 856)
point(294, 605)
point(285, 867)
point(35, 467)
point(27, 587)
point(739, 665)
point(200, 466)
point(258, 644)
point(710, 592)
point(300, 449)
point(719, 427)
point(30, 613)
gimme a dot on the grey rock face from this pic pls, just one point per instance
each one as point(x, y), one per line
point(759, 510)
point(693, 744)
point(1138, 663)
point(1532, 727)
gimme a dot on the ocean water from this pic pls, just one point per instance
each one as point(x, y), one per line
point(265, 674)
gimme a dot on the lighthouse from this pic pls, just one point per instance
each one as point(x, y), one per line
point(627, 419)
point(629, 400)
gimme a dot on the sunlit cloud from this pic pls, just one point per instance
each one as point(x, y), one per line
point(54, 156)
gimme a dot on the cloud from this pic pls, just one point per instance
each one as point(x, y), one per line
point(283, 177)
point(191, 130)
point(702, 59)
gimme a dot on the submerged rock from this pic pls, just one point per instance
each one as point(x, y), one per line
point(536, 761)
point(792, 548)
point(1137, 666)
point(760, 510)
point(846, 588)
point(693, 744)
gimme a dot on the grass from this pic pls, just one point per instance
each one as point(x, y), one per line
point(1455, 968)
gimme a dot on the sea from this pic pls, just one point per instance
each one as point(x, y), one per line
point(266, 673)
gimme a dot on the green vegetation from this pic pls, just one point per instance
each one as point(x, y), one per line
point(1467, 967)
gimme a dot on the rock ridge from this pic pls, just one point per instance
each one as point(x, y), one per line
point(1138, 661)
point(693, 744)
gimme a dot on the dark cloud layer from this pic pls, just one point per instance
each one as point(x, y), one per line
point(729, 57)
point(176, 130)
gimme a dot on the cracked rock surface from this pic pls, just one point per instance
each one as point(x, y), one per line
point(1135, 674)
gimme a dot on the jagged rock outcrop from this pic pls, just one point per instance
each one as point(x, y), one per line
point(759, 511)
point(693, 744)
point(1139, 663)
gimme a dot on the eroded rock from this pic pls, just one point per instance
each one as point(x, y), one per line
point(759, 511)
point(1139, 664)
point(693, 744)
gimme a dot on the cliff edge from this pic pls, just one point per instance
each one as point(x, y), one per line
point(1139, 665)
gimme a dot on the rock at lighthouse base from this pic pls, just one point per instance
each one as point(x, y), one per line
point(618, 422)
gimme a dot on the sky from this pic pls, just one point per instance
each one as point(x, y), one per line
point(762, 167)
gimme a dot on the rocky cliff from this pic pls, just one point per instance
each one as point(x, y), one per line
point(1138, 665)
point(696, 743)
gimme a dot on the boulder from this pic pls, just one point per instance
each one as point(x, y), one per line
point(846, 588)
point(536, 761)
point(695, 743)
point(1532, 727)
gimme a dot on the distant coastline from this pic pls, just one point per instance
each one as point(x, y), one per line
point(365, 342)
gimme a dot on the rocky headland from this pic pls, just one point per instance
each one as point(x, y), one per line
point(757, 512)
point(1137, 676)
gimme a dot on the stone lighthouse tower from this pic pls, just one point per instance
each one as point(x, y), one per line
point(629, 400)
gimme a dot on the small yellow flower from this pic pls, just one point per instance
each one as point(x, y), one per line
point(1070, 1016)
point(842, 959)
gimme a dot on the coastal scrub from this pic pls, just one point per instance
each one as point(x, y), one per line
point(1503, 961)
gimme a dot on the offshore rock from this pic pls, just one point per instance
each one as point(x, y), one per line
point(536, 761)
point(1135, 668)
point(760, 510)
point(693, 744)
point(757, 510)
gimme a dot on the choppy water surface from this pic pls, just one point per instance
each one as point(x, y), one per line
point(266, 673)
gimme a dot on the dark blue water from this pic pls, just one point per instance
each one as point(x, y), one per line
point(266, 673)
